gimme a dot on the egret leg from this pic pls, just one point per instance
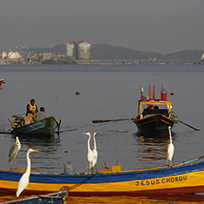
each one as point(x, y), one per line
point(96, 169)
point(23, 194)
point(11, 164)
point(170, 163)
point(15, 162)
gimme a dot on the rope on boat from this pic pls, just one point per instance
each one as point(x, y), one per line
point(79, 184)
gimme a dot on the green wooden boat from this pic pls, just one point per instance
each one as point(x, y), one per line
point(43, 127)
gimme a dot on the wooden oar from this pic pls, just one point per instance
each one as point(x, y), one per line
point(12, 125)
point(190, 161)
point(16, 125)
point(104, 121)
point(8, 128)
point(189, 126)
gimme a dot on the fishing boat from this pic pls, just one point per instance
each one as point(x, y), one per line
point(43, 127)
point(154, 115)
point(58, 197)
point(184, 178)
point(1, 81)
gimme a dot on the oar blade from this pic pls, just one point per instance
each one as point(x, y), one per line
point(196, 129)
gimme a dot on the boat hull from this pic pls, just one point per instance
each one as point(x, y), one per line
point(165, 180)
point(1, 81)
point(54, 198)
point(44, 127)
point(154, 123)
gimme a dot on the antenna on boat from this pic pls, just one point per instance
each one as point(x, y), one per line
point(141, 90)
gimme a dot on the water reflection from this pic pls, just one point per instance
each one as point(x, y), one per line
point(152, 149)
point(152, 199)
point(185, 199)
point(158, 134)
point(32, 141)
point(44, 160)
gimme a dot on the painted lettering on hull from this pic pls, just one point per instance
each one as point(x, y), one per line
point(157, 181)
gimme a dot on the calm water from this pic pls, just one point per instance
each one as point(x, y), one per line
point(106, 92)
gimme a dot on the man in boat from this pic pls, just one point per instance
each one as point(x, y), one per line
point(149, 106)
point(40, 115)
point(31, 110)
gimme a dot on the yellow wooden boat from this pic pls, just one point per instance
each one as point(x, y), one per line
point(187, 177)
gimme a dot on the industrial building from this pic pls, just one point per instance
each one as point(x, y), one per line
point(71, 50)
point(79, 51)
point(11, 55)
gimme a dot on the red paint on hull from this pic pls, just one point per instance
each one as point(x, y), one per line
point(175, 191)
point(1, 81)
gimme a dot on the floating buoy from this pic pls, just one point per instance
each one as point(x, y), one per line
point(77, 93)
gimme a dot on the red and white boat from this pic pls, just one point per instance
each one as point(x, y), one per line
point(1, 81)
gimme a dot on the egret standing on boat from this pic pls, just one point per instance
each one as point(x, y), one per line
point(170, 148)
point(14, 151)
point(95, 153)
point(90, 155)
point(24, 180)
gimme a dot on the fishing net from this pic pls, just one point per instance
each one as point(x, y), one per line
point(174, 117)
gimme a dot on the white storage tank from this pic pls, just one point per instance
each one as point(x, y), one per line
point(13, 55)
point(202, 57)
point(84, 50)
point(71, 49)
point(3, 54)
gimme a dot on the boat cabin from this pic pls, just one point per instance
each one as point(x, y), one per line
point(164, 107)
point(154, 106)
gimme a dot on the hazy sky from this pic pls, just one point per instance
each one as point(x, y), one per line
point(163, 26)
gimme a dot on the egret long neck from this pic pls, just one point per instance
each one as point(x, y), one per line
point(88, 142)
point(170, 139)
point(28, 163)
point(94, 139)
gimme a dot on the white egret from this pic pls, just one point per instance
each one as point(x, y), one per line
point(90, 155)
point(170, 150)
point(95, 153)
point(14, 151)
point(24, 180)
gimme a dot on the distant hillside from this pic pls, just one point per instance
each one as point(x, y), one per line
point(185, 55)
point(58, 50)
point(114, 52)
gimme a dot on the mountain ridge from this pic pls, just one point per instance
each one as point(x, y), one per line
point(105, 51)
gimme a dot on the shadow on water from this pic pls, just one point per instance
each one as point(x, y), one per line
point(155, 135)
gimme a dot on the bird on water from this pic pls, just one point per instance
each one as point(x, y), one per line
point(24, 180)
point(14, 151)
point(170, 151)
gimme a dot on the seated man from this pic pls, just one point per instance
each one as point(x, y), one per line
point(31, 109)
point(40, 115)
